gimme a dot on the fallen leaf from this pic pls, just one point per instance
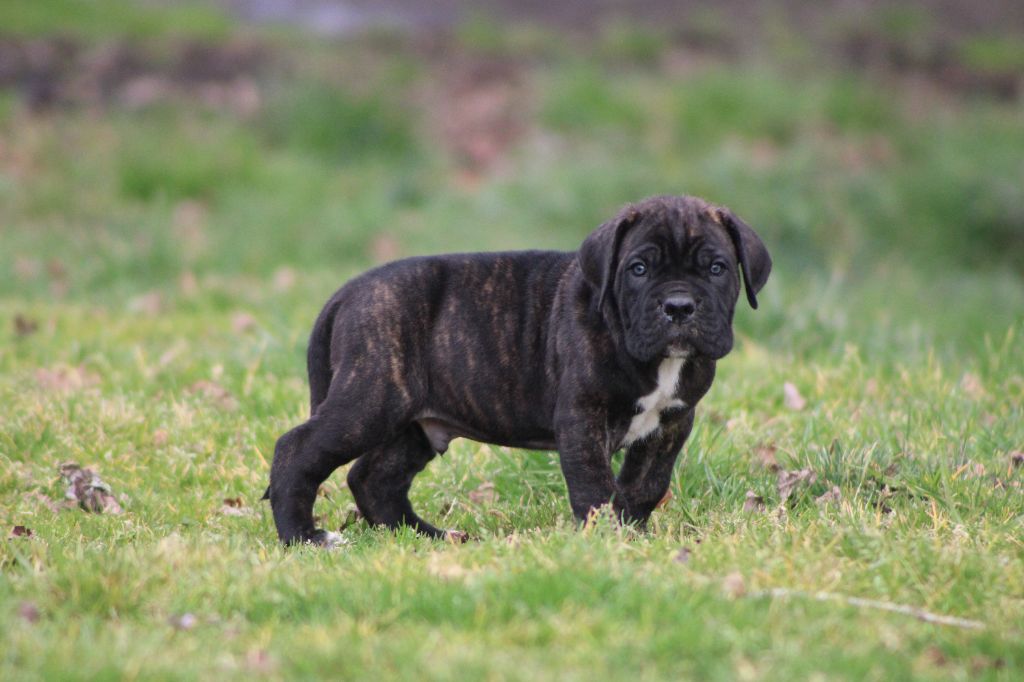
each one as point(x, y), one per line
point(456, 537)
point(981, 663)
point(185, 621)
point(766, 455)
point(58, 278)
point(24, 326)
point(151, 303)
point(21, 532)
point(284, 279)
point(788, 481)
point(259, 661)
point(935, 656)
point(26, 268)
point(65, 378)
point(734, 585)
point(683, 555)
point(242, 322)
point(972, 386)
point(213, 391)
point(234, 506)
point(188, 283)
point(484, 494)
point(832, 495)
point(28, 612)
point(88, 489)
point(384, 248)
point(753, 503)
point(169, 355)
point(792, 398)
point(189, 225)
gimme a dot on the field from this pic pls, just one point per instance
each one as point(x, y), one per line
point(179, 194)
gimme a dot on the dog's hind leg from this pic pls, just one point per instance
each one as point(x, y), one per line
point(347, 424)
point(380, 482)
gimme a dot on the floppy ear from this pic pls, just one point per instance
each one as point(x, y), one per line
point(599, 254)
point(754, 259)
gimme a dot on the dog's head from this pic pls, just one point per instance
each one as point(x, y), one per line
point(668, 270)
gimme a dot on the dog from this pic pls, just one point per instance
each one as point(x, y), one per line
point(584, 352)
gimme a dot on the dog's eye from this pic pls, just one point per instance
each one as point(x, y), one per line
point(717, 268)
point(638, 269)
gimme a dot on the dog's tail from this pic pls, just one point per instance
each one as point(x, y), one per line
point(318, 356)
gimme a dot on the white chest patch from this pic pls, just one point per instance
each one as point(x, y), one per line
point(654, 403)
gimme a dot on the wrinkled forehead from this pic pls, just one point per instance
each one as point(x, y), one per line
point(678, 227)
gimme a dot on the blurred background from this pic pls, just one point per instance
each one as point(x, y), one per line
point(187, 156)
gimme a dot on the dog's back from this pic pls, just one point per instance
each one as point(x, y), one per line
point(446, 330)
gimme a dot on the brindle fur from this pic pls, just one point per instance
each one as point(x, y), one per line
point(532, 349)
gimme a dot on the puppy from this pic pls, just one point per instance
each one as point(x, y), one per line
point(582, 352)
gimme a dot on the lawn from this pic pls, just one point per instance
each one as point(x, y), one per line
point(179, 194)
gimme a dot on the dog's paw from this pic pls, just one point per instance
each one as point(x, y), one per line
point(456, 537)
point(327, 539)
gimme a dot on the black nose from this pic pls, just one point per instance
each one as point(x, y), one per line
point(679, 308)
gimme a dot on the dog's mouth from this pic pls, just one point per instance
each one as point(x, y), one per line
point(714, 344)
point(695, 339)
point(678, 349)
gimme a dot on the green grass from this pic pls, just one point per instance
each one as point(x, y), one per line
point(99, 19)
point(173, 259)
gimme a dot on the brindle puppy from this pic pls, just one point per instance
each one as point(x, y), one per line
point(588, 352)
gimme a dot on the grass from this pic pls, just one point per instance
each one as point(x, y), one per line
point(161, 268)
point(99, 19)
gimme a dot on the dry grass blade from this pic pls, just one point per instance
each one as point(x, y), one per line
point(860, 602)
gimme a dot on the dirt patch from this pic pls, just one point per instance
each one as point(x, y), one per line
point(938, 59)
point(479, 107)
point(55, 72)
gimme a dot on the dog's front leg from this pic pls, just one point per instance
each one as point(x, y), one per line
point(647, 469)
point(586, 462)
